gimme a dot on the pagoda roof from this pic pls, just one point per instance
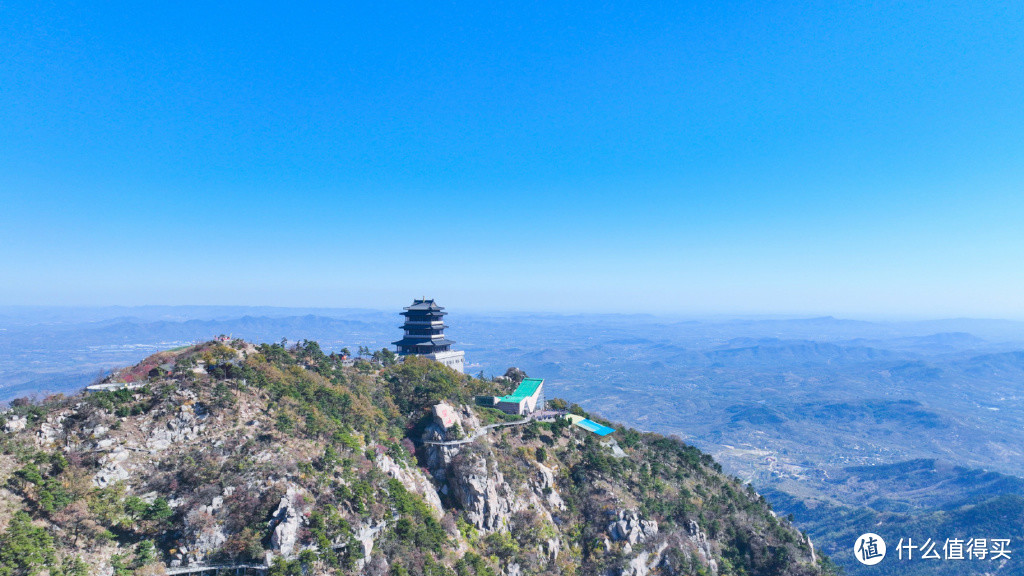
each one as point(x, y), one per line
point(426, 341)
point(425, 306)
point(410, 314)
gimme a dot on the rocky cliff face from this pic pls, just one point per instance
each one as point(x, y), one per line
point(288, 458)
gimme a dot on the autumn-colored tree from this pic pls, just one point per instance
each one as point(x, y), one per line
point(78, 521)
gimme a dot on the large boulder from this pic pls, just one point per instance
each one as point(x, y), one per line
point(644, 562)
point(413, 480)
point(446, 416)
point(50, 430)
point(631, 529)
point(188, 423)
point(15, 424)
point(204, 534)
point(111, 468)
point(481, 491)
point(366, 535)
point(514, 375)
point(287, 520)
point(544, 487)
point(440, 457)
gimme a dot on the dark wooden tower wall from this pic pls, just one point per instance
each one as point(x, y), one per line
point(423, 329)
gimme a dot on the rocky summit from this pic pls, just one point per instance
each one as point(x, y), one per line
point(278, 459)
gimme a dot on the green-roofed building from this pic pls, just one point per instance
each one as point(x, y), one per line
point(527, 398)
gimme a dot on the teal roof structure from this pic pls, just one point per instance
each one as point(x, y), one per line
point(526, 388)
point(594, 427)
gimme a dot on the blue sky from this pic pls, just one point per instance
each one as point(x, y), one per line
point(704, 157)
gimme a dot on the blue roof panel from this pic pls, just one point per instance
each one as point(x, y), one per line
point(594, 427)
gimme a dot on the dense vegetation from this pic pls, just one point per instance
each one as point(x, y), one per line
point(249, 429)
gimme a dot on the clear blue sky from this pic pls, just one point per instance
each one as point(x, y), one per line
point(865, 159)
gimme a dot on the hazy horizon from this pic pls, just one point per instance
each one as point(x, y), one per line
point(396, 307)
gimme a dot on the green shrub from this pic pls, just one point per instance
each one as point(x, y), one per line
point(25, 549)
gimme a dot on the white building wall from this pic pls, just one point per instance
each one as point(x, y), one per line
point(454, 359)
point(531, 401)
point(525, 406)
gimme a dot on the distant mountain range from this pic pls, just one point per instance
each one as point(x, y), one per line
point(787, 404)
point(917, 499)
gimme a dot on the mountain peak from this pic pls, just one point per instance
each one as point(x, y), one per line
point(226, 453)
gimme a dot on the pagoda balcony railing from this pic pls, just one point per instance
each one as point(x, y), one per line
point(414, 350)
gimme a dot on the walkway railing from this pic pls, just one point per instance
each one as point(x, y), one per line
point(539, 415)
point(224, 570)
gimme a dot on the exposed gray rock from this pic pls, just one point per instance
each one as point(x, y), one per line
point(111, 469)
point(51, 429)
point(514, 375)
point(216, 505)
point(693, 545)
point(366, 536)
point(439, 457)
point(205, 536)
point(208, 542)
point(637, 566)
point(377, 566)
point(630, 528)
point(644, 563)
point(552, 546)
point(481, 491)
point(110, 475)
point(413, 480)
point(468, 418)
point(186, 425)
point(613, 445)
point(288, 518)
point(699, 542)
point(544, 487)
point(15, 424)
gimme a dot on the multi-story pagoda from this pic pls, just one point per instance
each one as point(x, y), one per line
point(424, 335)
